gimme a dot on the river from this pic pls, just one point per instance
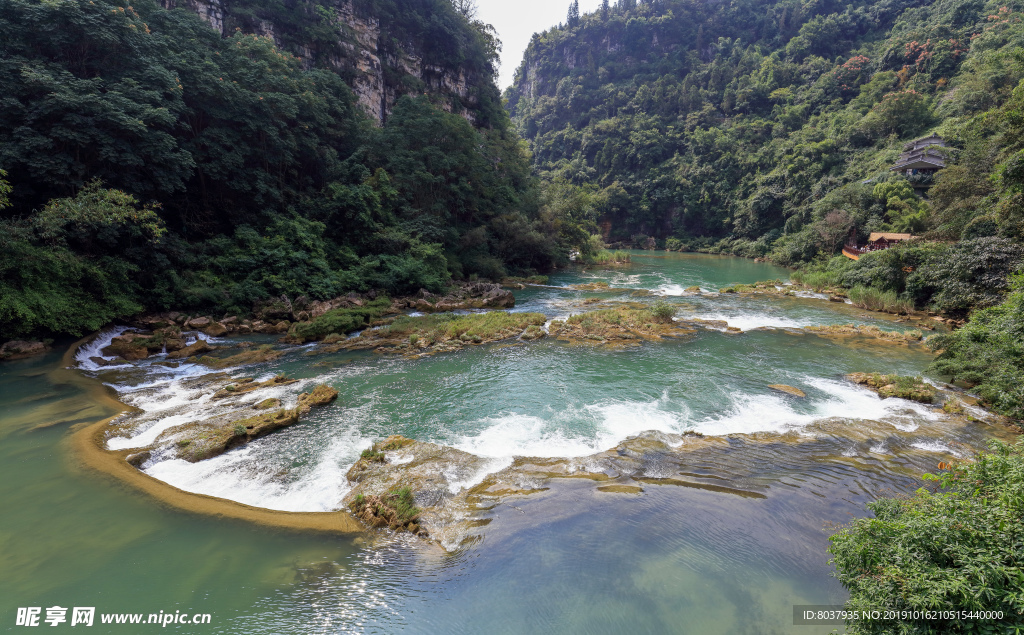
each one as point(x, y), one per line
point(568, 559)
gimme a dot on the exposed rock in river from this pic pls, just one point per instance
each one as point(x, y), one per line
point(789, 390)
point(895, 386)
point(200, 440)
point(622, 326)
point(18, 349)
point(197, 348)
point(213, 437)
point(839, 331)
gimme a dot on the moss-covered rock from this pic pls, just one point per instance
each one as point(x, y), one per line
point(200, 440)
point(246, 384)
point(321, 395)
point(533, 332)
point(257, 355)
point(621, 325)
point(395, 509)
point(840, 331)
point(207, 439)
point(440, 332)
point(886, 386)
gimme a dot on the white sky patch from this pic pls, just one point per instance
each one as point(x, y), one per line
point(516, 22)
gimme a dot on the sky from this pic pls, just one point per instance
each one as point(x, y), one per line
point(517, 21)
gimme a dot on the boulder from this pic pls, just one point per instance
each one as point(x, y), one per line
point(99, 361)
point(17, 349)
point(130, 346)
point(198, 348)
point(137, 459)
point(318, 308)
point(274, 309)
point(199, 323)
point(215, 329)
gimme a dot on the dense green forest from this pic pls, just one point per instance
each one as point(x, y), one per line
point(150, 163)
point(692, 122)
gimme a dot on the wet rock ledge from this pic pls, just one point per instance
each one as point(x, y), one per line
point(207, 438)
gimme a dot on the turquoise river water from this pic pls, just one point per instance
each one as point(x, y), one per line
point(571, 559)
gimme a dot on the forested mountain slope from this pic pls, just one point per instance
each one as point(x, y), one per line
point(216, 154)
point(752, 121)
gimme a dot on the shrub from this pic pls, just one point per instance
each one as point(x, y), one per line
point(988, 352)
point(960, 547)
point(605, 257)
point(971, 274)
point(663, 311)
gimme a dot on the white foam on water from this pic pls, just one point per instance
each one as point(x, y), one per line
point(937, 447)
point(456, 484)
point(620, 420)
point(747, 321)
point(670, 289)
point(516, 434)
point(242, 476)
point(770, 412)
point(93, 348)
point(525, 435)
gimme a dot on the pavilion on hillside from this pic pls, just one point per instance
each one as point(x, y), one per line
point(921, 156)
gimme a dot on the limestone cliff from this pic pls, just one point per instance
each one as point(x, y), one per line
point(379, 59)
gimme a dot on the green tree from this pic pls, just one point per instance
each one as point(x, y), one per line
point(960, 546)
point(71, 268)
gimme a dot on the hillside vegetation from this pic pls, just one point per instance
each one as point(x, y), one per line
point(752, 127)
point(147, 162)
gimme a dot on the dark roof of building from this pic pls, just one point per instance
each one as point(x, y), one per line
point(924, 142)
point(918, 159)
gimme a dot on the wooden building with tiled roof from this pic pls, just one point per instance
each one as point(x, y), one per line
point(921, 156)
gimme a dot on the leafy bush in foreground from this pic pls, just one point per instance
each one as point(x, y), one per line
point(960, 548)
